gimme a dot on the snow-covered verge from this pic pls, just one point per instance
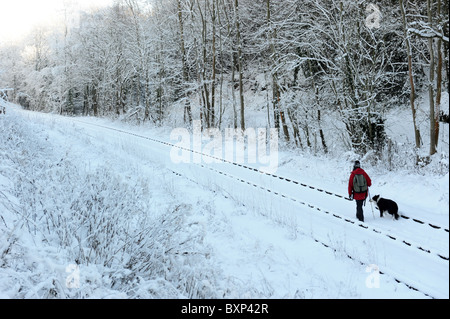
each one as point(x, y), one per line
point(90, 213)
point(114, 232)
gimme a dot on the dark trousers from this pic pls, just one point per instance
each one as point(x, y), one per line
point(359, 210)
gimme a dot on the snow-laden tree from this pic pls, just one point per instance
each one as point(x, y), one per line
point(343, 62)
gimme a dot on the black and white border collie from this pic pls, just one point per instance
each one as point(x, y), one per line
point(386, 205)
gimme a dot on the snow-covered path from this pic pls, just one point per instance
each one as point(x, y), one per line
point(286, 235)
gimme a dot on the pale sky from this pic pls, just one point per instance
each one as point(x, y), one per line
point(18, 17)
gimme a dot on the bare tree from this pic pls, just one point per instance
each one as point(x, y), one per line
point(239, 62)
point(410, 72)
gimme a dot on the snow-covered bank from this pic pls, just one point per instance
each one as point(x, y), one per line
point(82, 200)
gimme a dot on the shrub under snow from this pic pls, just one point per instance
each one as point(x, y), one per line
point(63, 224)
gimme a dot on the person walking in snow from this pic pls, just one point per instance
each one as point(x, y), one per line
point(358, 187)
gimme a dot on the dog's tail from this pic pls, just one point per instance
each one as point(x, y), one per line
point(370, 201)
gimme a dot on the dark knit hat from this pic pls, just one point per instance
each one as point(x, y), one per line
point(357, 165)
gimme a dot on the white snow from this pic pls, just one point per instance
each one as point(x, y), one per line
point(89, 210)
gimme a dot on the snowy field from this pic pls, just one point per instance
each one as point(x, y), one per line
point(92, 208)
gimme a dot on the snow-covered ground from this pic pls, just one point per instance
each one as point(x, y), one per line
point(92, 208)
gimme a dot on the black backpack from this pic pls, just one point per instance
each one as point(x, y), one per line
point(359, 184)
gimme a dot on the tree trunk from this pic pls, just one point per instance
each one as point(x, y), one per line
point(410, 74)
point(438, 80)
point(239, 60)
point(213, 84)
point(94, 100)
point(431, 86)
point(202, 72)
point(278, 113)
point(187, 105)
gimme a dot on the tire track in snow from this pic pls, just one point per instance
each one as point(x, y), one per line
point(328, 246)
point(308, 205)
point(275, 176)
point(335, 215)
point(332, 214)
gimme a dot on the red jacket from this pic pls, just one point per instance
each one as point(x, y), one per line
point(358, 196)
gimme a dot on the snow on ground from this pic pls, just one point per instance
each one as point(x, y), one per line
point(92, 212)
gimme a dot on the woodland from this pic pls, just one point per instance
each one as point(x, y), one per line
point(153, 61)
